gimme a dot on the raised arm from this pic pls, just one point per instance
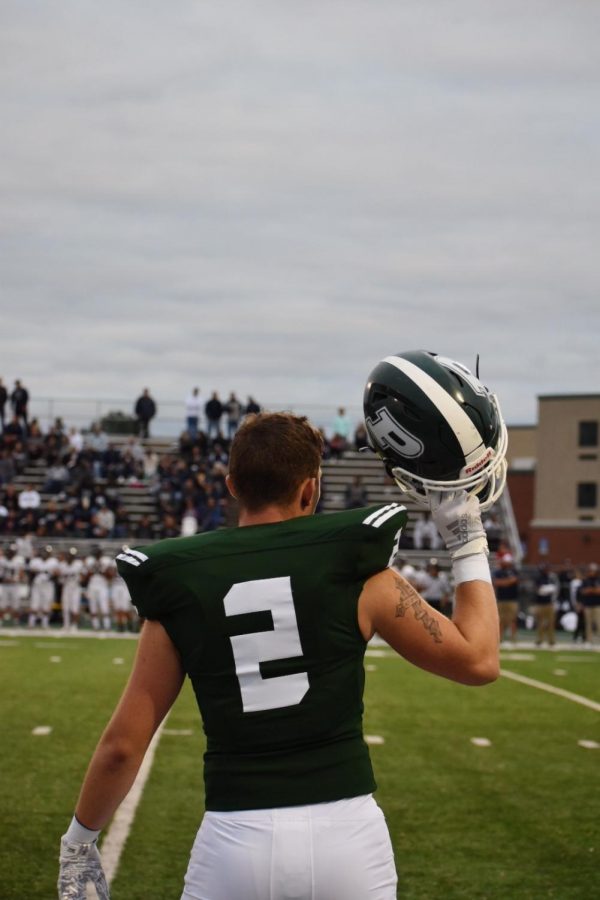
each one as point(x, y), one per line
point(464, 649)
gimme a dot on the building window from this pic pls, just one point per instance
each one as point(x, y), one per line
point(587, 495)
point(588, 434)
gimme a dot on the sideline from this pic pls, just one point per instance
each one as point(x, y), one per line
point(559, 692)
point(118, 832)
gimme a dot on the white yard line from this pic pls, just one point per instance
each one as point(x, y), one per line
point(117, 834)
point(559, 692)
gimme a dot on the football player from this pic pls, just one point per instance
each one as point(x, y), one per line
point(97, 589)
point(270, 620)
point(43, 569)
point(14, 583)
point(72, 568)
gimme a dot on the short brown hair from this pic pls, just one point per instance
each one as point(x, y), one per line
point(271, 455)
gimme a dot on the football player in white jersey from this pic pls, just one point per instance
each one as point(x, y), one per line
point(71, 574)
point(44, 568)
point(4, 613)
point(14, 584)
point(120, 600)
point(97, 591)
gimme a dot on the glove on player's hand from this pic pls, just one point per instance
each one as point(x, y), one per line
point(458, 519)
point(80, 865)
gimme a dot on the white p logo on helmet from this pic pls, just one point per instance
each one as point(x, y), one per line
point(389, 433)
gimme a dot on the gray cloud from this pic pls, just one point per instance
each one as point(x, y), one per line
point(270, 198)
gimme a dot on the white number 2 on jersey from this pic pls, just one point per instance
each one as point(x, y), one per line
point(249, 650)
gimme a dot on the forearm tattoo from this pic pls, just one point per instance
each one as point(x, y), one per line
point(409, 599)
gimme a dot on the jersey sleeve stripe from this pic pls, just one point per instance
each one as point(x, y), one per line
point(378, 512)
point(129, 559)
point(386, 516)
point(137, 553)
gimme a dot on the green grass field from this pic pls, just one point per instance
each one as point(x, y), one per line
point(517, 819)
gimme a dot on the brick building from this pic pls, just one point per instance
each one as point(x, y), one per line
point(554, 480)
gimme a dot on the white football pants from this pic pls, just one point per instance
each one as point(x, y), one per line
point(327, 851)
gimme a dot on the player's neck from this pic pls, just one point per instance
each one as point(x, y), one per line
point(269, 515)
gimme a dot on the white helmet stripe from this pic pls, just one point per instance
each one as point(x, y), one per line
point(466, 433)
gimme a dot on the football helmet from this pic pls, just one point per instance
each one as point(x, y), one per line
point(436, 427)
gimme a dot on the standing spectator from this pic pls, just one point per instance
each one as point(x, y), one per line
point(19, 400)
point(425, 534)
point(576, 582)
point(565, 576)
point(3, 399)
point(145, 410)
point(435, 588)
point(589, 597)
point(251, 406)
point(233, 409)
point(493, 530)
point(193, 409)
point(214, 412)
point(341, 429)
point(506, 584)
point(546, 589)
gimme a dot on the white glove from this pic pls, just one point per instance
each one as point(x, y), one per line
point(458, 519)
point(80, 866)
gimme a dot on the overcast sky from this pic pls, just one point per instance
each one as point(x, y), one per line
point(270, 196)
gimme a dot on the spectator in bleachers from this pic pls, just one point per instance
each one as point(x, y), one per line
point(145, 410)
point(75, 440)
point(360, 436)
point(143, 529)
point(13, 432)
point(251, 406)
point(193, 411)
point(29, 498)
point(150, 464)
point(213, 411)
point(19, 400)
point(213, 516)
point(3, 399)
point(57, 478)
point(189, 519)
point(7, 467)
point(103, 520)
point(356, 494)
point(341, 429)
point(233, 411)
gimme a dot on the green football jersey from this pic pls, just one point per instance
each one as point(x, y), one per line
point(264, 618)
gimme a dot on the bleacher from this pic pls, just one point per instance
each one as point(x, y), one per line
point(337, 475)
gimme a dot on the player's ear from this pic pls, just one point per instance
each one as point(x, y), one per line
point(230, 486)
point(309, 495)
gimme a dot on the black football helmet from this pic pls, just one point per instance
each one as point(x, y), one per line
point(436, 427)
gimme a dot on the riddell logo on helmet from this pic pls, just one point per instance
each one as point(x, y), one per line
point(476, 466)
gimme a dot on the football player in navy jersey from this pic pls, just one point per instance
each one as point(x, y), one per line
point(270, 621)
